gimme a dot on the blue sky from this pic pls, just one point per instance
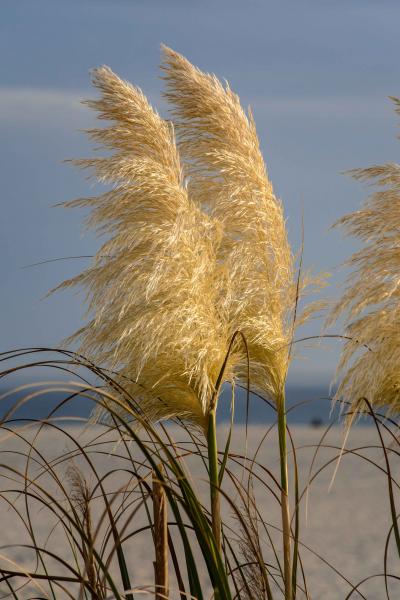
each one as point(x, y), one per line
point(316, 73)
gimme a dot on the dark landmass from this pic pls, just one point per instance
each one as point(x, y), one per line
point(306, 405)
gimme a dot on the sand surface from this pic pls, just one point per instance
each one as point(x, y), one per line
point(346, 524)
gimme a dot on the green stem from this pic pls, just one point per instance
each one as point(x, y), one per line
point(214, 479)
point(281, 407)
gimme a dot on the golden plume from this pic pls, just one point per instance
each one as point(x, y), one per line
point(192, 259)
point(228, 180)
point(194, 253)
point(370, 361)
point(152, 287)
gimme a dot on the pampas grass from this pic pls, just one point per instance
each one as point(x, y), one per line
point(178, 277)
point(196, 285)
point(152, 286)
point(196, 254)
point(228, 179)
point(369, 365)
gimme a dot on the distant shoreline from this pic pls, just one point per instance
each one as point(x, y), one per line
point(307, 405)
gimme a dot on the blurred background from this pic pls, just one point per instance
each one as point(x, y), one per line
point(316, 73)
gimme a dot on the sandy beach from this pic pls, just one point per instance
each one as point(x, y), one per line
point(345, 523)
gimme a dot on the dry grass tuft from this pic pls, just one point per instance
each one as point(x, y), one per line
point(194, 253)
point(81, 497)
point(229, 180)
point(369, 365)
point(152, 286)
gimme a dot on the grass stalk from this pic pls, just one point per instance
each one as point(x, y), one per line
point(214, 477)
point(281, 410)
point(160, 512)
point(212, 448)
point(393, 510)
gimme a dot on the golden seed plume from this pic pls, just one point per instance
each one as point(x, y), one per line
point(370, 361)
point(228, 180)
point(151, 288)
point(194, 253)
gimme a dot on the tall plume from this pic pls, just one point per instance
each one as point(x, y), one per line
point(192, 255)
point(151, 289)
point(369, 365)
point(229, 181)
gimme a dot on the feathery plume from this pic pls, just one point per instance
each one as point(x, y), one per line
point(191, 257)
point(190, 261)
point(151, 290)
point(80, 497)
point(370, 361)
point(228, 180)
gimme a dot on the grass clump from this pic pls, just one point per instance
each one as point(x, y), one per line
point(197, 252)
point(195, 287)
